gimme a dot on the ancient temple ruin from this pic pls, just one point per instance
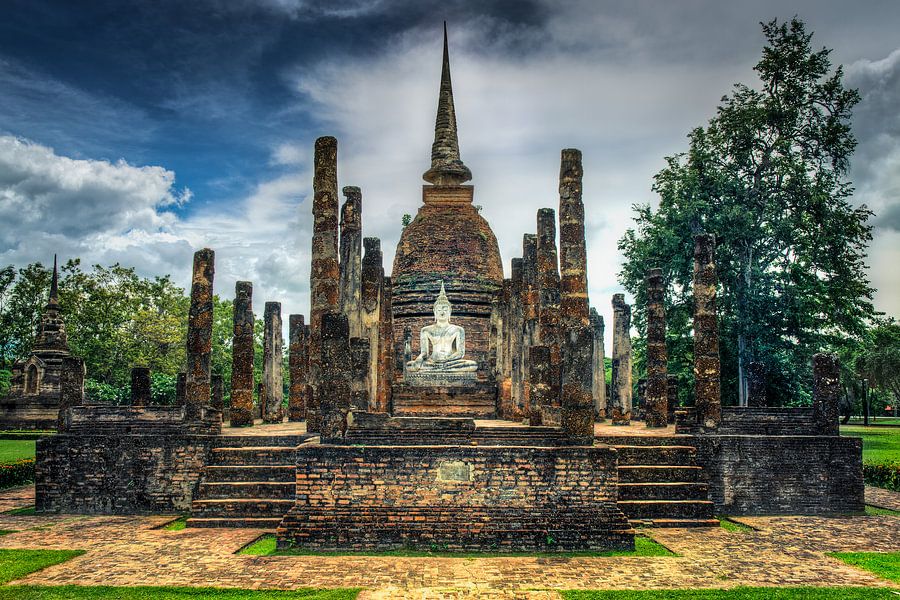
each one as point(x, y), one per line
point(445, 404)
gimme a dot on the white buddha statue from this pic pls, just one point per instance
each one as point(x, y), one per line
point(442, 346)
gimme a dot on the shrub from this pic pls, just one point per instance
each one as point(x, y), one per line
point(883, 475)
point(16, 473)
point(5, 377)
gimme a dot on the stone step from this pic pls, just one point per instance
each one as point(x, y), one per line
point(269, 473)
point(644, 440)
point(674, 522)
point(657, 455)
point(652, 473)
point(254, 455)
point(667, 509)
point(248, 522)
point(246, 489)
point(236, 441)
point(241, 507)
point(659, 490)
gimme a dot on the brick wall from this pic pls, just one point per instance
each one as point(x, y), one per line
point(456, 498)
point(759, 475)
point(119, 474)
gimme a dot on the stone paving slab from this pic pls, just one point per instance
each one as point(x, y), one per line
point(17, 497)
point(882, 498)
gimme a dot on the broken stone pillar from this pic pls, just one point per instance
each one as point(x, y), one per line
point(359, 365)
point(548, 283)
point(540, 382)
point(598, 365)
point(351, 259)
point(706, 334)
point(199, 336)
point(530, 308)
point(620, 393)
point(258, 409)
point(335, 388)
point(577, 381)
point(217, 400)
point(242, 355)
point(273, 364)
point(370, 309)
point(385, 348)
point(513, 330)
point(71, 390)
point(180, 388)
point(140, 386)
point(672, 391)
point(324, 278)
point(656, 400)
point(297, 363)
point(573, 303)
point(826, 392)
point(756, 388)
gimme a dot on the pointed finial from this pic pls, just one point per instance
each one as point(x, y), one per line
point(442, 297)
point(54, 285)
point(446, 166)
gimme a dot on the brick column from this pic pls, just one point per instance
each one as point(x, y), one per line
point(620, 391)
point(71, 390)
point(359, 371)
point(297, 363)
point(573, 304)
point(325, 271)
point(383, 391)
point(706, 334)
point(672, 402)
point(273, 358)
point(577, 379)
point(826, 392)
point(548, 284)
point(199, 336)
point(242, 354)
point(756, 379)
point(336, 365)
point(540, 381)
point(513, 329)
point(530, 307)
point(140, 386)
point(598, 365)
point(370, 308)
point(180, 388)
point(351, 259)
point(217, 400)
point(655, 407)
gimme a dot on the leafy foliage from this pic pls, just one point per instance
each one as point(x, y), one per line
point(767, 176)
point(15, 473)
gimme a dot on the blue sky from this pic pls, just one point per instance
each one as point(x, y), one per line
point(139, 131)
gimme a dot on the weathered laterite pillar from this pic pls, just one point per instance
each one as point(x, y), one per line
point(199, 336)
point(620, 393)
point(180, 389)
point(259, 409)
point(672, 391)
point(577, 380)
point(656, 402)
point(359, 366)
point(351, 259)
point(370, 309)
point(335, 387)
point(598, 365)
point(573, 303)
point(217, 400)
point(297, 363)
point(530, 308)
point(756, 379)
point(385, 348)
point(140, 386)
point(826, 392)
point(540, 381)
point(514, 333)
point(71, 390)
point(548, 282)
point(273, 358)
point(706, 334)
point(499, 350)
point(242, 354)
point(325, 272)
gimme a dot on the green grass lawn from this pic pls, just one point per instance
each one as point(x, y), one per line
point(884, 564)
point(740, 593)
point(12, 450)
point(880, 444)
point(265, 546)
point(19, 563)
point(76, 592)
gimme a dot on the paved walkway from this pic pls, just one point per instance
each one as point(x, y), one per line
point(133, 550)
point(882, 498)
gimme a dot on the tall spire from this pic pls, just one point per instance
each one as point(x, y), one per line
point(54, 286)
point(446, 166)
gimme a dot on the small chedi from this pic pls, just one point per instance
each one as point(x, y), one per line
point(391, 448)
point(443, 349)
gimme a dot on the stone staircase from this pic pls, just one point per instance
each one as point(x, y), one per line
point(660, 483)
point(249, 482)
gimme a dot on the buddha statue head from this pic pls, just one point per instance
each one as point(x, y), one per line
point(442, 307)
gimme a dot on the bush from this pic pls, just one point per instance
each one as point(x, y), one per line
point(16, 473)
point(884, 475)
point(104, 393)
point(5, 377)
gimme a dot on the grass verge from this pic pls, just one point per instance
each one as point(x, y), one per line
point(881, 445)
point(13, 450)
point(19, 563)
point(875, 511)
point(733, 526)
point(24, 511)
point(265, 546)
point(883, 564)
point(76, 592)
point(739, 593)
point(176, 525)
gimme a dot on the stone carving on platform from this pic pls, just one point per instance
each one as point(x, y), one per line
point(442, 348)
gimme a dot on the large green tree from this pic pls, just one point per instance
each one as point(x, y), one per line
point(767, 175)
